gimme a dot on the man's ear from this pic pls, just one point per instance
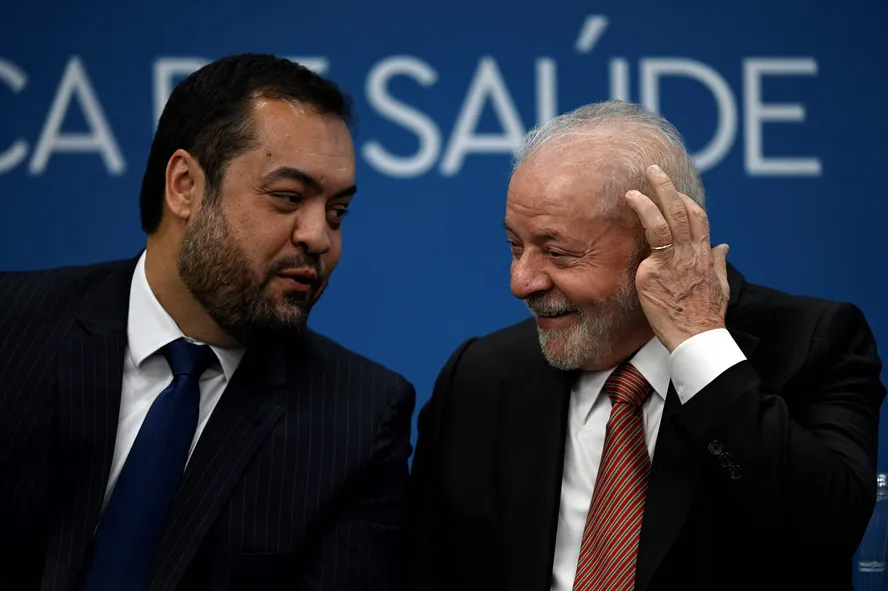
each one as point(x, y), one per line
point(185, 181)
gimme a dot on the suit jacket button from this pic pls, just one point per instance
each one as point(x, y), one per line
point(725, 460)
point(715, 447)
point(735, 472)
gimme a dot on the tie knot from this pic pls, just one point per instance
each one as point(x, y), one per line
point(186, 358)
point(627, 386)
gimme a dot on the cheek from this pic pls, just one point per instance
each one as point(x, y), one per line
point(585, 287)
point(259, 238)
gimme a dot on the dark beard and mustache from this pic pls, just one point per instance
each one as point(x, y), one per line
point(590, 339)
point(217, 274)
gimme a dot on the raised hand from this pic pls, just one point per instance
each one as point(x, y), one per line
point(683, 284)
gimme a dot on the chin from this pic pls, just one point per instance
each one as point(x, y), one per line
point(559, 353)
point(291, 316)
point(561, 361)
point(568, 351)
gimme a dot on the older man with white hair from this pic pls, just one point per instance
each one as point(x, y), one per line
point(659, 423)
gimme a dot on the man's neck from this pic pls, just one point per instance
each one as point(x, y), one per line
point(166, 284)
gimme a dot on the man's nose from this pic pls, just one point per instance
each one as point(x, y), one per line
point(312, 230)
point(528, 276)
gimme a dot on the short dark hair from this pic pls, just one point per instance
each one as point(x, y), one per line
point(208, 114)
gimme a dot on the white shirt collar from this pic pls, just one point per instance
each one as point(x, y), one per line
point(651, 361)
point(150, 327)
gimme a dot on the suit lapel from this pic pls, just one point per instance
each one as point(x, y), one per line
point(676, 470)
point(241, 421)
point(90, 369)
point(532, 442)
point(672, 485)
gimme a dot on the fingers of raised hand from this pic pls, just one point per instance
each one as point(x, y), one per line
point(720, 261)
point(655, 226)
point(698, 222)
point(669, 201)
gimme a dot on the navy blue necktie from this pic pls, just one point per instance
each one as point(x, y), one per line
point(133, 522)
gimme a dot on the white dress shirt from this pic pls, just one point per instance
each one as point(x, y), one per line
point(693, 365)
point(146, 372)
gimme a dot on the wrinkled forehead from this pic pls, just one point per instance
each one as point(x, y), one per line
point(593, 165)
point(556, 174)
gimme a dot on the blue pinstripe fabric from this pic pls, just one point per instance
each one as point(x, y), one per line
point(297, 481)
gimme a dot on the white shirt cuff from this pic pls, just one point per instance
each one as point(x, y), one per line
point(700, 359)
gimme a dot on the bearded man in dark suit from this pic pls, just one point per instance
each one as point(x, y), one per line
point(168, 421)
point(659, 423)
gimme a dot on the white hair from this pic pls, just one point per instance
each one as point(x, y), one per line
point(623, 140)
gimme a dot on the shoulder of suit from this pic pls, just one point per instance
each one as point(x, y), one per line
point(342, 358)
point(55, 277)
point(512, 345)
point(53, 291)
point(783, 321)
point(759, 303)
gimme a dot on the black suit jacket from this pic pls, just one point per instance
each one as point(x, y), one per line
point(764, 480)
point(297, 481)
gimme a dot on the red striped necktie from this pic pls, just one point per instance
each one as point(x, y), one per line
point(610, 539)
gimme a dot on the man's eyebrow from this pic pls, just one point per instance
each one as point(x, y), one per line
point(295, 174)
point(551, 235)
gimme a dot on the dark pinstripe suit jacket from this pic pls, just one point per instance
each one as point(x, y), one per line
point(297, 481)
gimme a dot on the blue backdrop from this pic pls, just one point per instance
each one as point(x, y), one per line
point(779, 101)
